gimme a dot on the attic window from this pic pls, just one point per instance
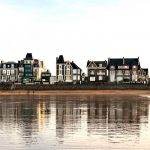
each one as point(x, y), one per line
point(12, 65)
point(4, 66)
point(100, 65)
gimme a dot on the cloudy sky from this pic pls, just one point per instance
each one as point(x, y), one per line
point(81, 30)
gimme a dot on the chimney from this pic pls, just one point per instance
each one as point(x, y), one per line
point(123, 60)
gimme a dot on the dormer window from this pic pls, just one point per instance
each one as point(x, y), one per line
point(100, 65)
point(4, 65)
point(12, 65)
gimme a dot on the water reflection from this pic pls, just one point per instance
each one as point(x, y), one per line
point(74, 122)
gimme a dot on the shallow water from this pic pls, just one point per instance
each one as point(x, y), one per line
point(74, 122)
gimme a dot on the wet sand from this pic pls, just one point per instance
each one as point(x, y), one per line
point(78, 92)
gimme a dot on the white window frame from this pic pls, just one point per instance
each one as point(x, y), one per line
point(12, 71)
point(74, 71)
point(92, 78)
point(60, 66)
point(100, 65)
point(4, 71)
point(74, 77)
point(100, 78)
point(8, 72)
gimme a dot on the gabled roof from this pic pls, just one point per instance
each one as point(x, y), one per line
point(29, 56)
point(97, 63)
point(60, 59)
point(74, 66)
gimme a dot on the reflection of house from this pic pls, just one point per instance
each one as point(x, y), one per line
point(30, 69)
point(123, 69)
point(97, 70)
point(8, 71)
point(67, 71)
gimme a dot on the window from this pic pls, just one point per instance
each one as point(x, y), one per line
point(68, 67)
point(78, 77)
point(74, 77)
point(68, 72)
point(127, 72)
point(12, 71)
point(92, 72)
point(100, 78)
point(112, 67)
point(134, 73)
point(92, 78)
point(100, 65)
point(8, 66)
point(134, 67)
point(4, 65)
point(74, 71)
point(4, 71)
point(60, 66)
point(119, 72)
point(101, 72)
point(60, 72)
point(12, 65)
point(8, 72)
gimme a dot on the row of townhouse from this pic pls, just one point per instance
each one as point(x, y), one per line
point(25, 70)
point(113, 70)
point(117, 70)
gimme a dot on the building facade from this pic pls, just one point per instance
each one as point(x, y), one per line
point(143, 75)
point(67, 71)
point(60, 69)
point(123, 69)
point(30, 70)
point(45, 77)
point(97, 71)
point(8, 71)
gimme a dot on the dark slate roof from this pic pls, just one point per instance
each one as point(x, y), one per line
point(145, 70)
point(10, 62)
point(123, 61)
point(60, 60)
point(131, 61)
point(29, 56)
point(74, 66)
point(115, 61)
point(104, 63)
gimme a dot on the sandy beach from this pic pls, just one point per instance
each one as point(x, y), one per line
point(78, 92)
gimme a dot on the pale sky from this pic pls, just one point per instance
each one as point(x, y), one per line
point(81, 30)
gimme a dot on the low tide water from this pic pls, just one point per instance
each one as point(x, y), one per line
point(74, 122)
